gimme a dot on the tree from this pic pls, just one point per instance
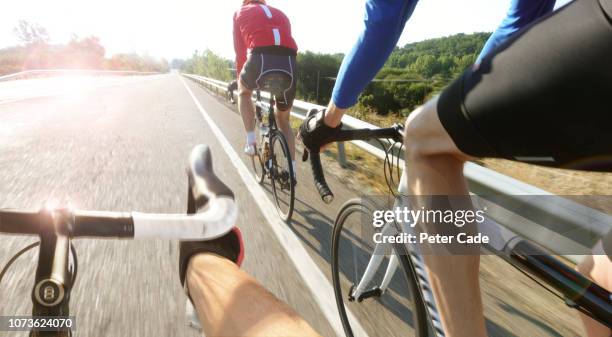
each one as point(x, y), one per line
point(209, 64)
point(30, 33)
point(314, 75)
point(87, 53)
point(425, 65)
point(410, 76)
point(463, 63)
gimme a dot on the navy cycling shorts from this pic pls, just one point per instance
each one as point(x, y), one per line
point(268, 60)
point(544, 96)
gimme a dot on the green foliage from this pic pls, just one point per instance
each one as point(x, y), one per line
point(417, 70)
point(209, 64)
point(137, 63)
point(312, 68)
point(316, 73)
point(410, 76)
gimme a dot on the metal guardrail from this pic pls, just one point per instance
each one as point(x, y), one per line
point(300, 109)
point(55, 72)
point(556, 223)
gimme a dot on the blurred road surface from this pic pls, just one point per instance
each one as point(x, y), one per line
point(121, 143)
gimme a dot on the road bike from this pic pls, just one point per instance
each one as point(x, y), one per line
point(229, 94)
point(368, 278)
point(57, 227)
point(273, 158)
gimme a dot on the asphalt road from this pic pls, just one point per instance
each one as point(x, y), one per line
point(121, 143)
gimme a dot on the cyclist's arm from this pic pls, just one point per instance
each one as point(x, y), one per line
point(229, 302)
point(520, 14)
point(384, 22)
point(239, 48)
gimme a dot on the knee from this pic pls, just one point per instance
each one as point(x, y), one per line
point(417, 134)
point(245, 93)
point(425, 137)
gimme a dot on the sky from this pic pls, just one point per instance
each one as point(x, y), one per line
point(174, 29)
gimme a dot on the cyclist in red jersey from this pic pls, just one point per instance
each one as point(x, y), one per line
point(263, 44)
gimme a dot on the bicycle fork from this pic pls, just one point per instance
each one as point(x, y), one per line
point(360, 292)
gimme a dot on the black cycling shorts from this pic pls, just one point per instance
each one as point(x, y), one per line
point(267, 60)
point(544, 96)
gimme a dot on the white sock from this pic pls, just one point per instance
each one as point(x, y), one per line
point(251, 137)
point(294, 168)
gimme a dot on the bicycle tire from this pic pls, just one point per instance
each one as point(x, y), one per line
point(419, 314)
point(277, 136)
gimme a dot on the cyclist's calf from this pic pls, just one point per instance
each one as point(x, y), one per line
point(244, 92)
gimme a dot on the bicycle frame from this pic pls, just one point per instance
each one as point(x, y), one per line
point(271, 117)
point(579, 292)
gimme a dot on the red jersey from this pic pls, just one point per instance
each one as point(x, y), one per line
point(259, 25)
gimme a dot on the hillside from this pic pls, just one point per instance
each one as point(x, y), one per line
point(411, 74)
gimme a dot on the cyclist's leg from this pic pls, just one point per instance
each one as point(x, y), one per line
point(230, 302)
point(435, 167)
point(247, 110)
point(284, 103)
point(246, 84)
point(544, 105)
point(491, 112)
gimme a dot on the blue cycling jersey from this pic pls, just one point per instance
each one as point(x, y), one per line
point(384, 23)
point(520, 14)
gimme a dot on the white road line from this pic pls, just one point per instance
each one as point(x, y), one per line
point(320, 288)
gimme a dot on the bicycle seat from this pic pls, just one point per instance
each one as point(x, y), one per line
point(275, 82)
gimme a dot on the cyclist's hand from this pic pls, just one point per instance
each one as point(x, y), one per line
point(314, 133)
point(229, 246)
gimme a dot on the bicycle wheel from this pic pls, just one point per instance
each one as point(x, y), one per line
point(281, 174)
point(382, 310)
point(256, 160)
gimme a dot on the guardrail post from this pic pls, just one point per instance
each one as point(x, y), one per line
point(341, 154)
